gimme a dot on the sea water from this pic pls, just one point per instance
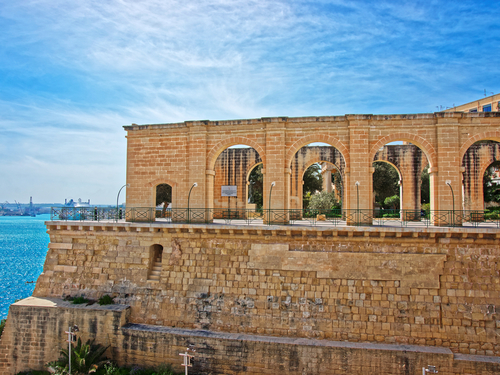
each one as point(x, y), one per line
point(23, 247)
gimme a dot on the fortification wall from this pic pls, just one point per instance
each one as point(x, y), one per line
point(436, 286)
point(35, 332)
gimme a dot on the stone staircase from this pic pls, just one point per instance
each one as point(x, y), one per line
point(154, 274)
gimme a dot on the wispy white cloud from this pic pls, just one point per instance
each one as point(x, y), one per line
point(72, 73)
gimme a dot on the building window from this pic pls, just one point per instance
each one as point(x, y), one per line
point(487, 108)
point(473, 110)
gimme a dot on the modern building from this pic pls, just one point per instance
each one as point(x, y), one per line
point(486, 104)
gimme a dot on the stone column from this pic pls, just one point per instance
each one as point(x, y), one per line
point(275, 171)
point(326, 173)
point(196, 165)
point(360, 187)
point(447, 185)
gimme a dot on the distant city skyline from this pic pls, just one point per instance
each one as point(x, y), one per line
point(73, 73)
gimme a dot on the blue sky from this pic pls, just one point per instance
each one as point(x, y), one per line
point(72, 73)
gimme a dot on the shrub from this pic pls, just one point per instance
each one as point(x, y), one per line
point(106, 300)
point(79, 300)
point(2, 326)
point(323, 201)
point(85, 358)
point(392, 202)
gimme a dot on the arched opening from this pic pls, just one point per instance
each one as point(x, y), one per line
point(386, 190)
point(237, 170)
point(316, 168)
point(491, 191)
point(322, 187)
point(155, 261)
point(399, 186)
point(479, 165)
point(255, 183)
point(163, 200)
point(425, 191)
point(491, 186)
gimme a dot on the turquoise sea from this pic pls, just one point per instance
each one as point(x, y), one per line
point(23, 247)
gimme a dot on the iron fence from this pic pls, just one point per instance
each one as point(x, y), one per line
point(305, 217)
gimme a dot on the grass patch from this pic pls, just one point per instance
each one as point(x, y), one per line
point(106, 300)
point(79, 300)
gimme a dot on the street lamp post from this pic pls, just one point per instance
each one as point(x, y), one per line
point(71, 333)
point(448, 182)
point(189, 197)
point(117, 198)
point(270, 192)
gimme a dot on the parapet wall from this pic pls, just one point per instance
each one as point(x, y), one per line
point(436, 286)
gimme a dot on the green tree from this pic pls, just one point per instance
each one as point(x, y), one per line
point(323, 201)
point(385, 182)
point(313, 181)
point(425, 188)
point(392, 202)
point(491, 190)
point(256, 180)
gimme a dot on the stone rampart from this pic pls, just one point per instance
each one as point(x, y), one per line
point(36, 330)
point(429, 286)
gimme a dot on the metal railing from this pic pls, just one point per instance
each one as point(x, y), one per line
point(305, 217)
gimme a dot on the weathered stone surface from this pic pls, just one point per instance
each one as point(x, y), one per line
point(388, 286)
point(414, 270)
point(198, 152)
point(22, 348)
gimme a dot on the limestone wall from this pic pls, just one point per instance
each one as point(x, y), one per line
point(436, 287)
point(186, 153)
point(232, 168)
point(35, 333)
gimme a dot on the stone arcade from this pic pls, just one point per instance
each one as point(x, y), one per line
point(279, 298)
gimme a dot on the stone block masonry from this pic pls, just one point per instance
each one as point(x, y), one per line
point(35, 332)
point(197, 151)
point(434, 287)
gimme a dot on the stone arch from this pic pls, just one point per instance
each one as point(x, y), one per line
point(400, 172)
point(482, 170)
point(216, 150)
point(249, 171)
point(485, 136)
point(159, 181)
point(323, 138)
point(299, 155)
point(152, 187)
point(314, 161)
point(476, 159)
point(418, 141)
point(319, 160)
point(485, 165)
